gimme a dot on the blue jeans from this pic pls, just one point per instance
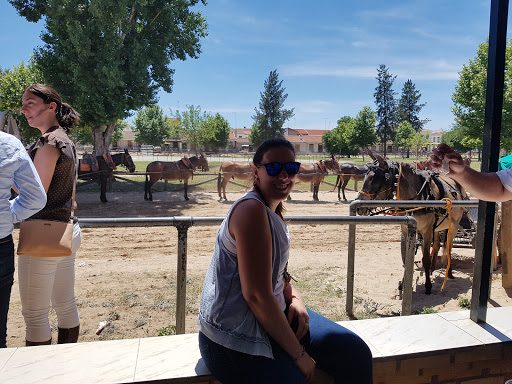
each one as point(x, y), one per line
point(336, 350)
point(6, 280)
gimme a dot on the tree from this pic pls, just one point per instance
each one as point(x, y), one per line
point(151, 126)
point(83, 134)
point(219, 127)
point(455, 139)
point(408, 108)
point(404, 135)
point(469, 99)
point(418, 141)
point(363, 134)
point(192, 127)
point(108, 58)
point(386, 105)
point(337, 142)
point(12, 84)
point(271, 115)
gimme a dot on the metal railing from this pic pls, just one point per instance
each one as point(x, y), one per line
point(410, 245)
point(183, 223)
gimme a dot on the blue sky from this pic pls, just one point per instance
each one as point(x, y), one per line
point(326, 52)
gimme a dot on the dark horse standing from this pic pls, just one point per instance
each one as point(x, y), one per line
point(100, 169)
point(348, 171)
point(174, 170)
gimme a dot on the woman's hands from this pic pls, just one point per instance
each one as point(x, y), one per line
point(306, 366)
point(298, 310)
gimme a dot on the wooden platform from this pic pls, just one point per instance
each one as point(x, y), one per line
point(445, 348)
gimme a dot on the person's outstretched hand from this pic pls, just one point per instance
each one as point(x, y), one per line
point(451, 159)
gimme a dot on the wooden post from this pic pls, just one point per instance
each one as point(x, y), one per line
point(506, 244)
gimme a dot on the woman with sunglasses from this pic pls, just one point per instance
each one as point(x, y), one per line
point(253, 324)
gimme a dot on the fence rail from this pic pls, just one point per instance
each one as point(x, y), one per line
point(183, 223)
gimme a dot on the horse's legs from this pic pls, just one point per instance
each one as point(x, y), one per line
point(185, 183)
point(103, 187)
point(316, 187)
point(219, 186)
point(427, 238)
point(345, 182)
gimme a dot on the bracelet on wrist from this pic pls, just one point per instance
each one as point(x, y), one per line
point(301, 354)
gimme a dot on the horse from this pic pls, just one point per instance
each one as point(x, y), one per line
point(172, 170)
point(233, 170)
point(348, 171)
point(315, 173)
point(100, 168)
point(413, 184)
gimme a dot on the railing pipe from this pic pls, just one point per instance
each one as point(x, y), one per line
point(183, 223)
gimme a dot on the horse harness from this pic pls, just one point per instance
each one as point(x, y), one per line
point(321, 166)
point(426, 192)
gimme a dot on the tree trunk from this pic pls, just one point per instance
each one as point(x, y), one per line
point(102, 136)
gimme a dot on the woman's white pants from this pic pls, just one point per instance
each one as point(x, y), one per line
point(45, 279)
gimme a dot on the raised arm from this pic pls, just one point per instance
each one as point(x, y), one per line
point(485, 186)
point(254, 251)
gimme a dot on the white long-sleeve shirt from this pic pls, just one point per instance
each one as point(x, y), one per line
point(16, 168)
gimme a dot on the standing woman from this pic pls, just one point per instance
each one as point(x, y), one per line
point(254, 326)
point(45, 279)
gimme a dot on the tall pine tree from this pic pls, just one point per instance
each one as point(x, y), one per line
point(271, 115)
point(409, 107)
point(386, 105)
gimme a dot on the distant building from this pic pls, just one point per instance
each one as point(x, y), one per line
point(128, 138)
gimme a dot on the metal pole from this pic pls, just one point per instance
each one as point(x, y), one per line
point(181, 279)
point(349, 303)
point(490, 153)
point(408, 269)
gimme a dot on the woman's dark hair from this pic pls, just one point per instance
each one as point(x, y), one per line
point(65, 113)
point(267, 145)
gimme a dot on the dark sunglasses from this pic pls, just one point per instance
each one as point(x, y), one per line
point(274, 169)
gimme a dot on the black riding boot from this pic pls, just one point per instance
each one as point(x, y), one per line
point(68, 335)
point(34, 343)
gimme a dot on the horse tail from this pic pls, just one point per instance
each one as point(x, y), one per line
point(338, 181)
point(146, 183)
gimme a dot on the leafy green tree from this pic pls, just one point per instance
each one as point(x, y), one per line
point(469, 99)
point(409, 108)
point(404, 135)
point(418, 141)
point(151, 126)
point(455, 139)
point(386, 105)
point(12, 84)
point(338, 141)
point(219, 128)
point(108, 58)
point(83, 134)
point(192, 127)
point(271, 115)
point(363, 133)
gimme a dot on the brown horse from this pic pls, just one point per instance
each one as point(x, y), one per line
point(175, 170)
point(348, 171)
point(100, 168)
point(316, 172)
point(385, 178)
point(233, 170)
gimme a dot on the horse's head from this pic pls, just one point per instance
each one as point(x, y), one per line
point(331, 164)
point(379, 182)
point(127, 161)
point(203, 163)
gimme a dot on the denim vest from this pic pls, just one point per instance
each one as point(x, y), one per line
point(224, 315)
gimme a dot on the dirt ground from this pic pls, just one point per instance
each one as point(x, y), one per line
point(127, 276)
